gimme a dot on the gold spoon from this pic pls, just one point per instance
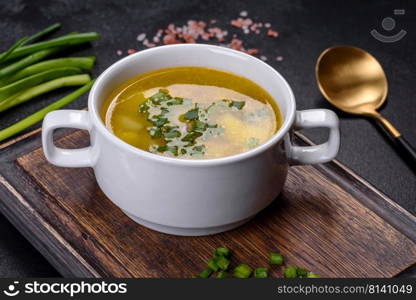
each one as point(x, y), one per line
point(353, 80)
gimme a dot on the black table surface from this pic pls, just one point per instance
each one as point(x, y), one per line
point(306, 28)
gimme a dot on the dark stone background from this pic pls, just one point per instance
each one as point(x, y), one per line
point(306, 28)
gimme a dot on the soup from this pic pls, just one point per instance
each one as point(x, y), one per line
point(191, 113)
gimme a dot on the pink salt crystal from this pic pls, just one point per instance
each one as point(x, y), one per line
point(195, 30)
point(247, 22)
point(131, 51)
point(205, 36)
point(171, 27)
point(272, 33)
point(243, 13)
point(119, 52)
point(189, 38)
point(202, 24)
point(279, 58)
point(170, 39)
point(237, 23)
point(263, 58)
point(252, 51)
point(148, 44)
point(236, 44)
point(141, 37)
point(218, 33)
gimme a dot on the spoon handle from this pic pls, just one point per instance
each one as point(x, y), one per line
point(406, 147)
point(402, 144)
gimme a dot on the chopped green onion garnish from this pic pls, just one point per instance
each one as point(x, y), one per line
point(237, 104)
point(261, 272)
point(175, 101)
point(192, 114)
point(199, 125)
point(276, 259)
point(191, 137)
point(242, 271)
point(143, 107)
point(290, 272)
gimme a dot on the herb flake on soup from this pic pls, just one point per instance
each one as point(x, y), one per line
point(191, 113)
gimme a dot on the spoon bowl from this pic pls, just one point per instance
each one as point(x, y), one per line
point(351, 79)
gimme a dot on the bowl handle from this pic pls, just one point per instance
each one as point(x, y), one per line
point(322, 153)
point(78, 119)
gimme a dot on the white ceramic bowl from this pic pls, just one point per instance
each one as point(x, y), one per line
point(190, 197)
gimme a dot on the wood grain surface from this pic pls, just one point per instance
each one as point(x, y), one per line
point(316, 223)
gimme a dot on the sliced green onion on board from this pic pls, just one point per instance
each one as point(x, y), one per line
point(223, 274)
point(290, 272)
point(212, 265)
point(206, 273)
point(242, 271)
point(276, 259)
point(261, 272)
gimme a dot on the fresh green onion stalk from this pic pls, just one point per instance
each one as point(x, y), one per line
point(39, 115)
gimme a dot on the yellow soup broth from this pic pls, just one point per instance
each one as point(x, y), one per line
point(191, 113)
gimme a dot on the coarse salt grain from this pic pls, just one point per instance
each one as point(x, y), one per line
point(195, 30)
point(252, 51)
point(279, 58)
point(236, 44)
point(148, 44)
point(119, 52)
point(272, 33)
point(141, 37)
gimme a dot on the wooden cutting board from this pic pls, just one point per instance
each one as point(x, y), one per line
point(327, 220)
